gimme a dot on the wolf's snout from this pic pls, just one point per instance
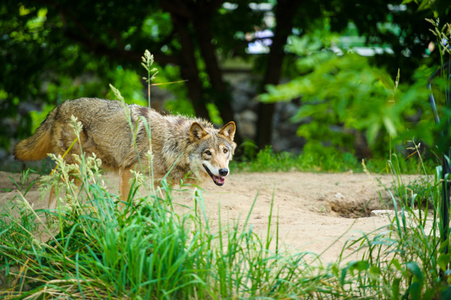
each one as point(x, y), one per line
point(223, 172)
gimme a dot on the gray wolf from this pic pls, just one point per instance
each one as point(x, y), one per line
point(180, 144)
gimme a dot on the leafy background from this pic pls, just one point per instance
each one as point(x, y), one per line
point(365, 105)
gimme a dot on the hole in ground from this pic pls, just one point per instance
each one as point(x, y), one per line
point(355, 208)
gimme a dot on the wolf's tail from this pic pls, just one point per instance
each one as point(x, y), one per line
point(39, 144)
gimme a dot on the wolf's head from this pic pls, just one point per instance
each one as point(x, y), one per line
point(213, 150)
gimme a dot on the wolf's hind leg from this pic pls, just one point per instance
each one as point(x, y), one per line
point(77, 183)
point(52, 198)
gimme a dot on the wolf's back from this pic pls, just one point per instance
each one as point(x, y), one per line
point(39, 144)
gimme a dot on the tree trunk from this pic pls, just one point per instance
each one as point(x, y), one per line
point(221, 94)
point(285, 12)
point(188, 65)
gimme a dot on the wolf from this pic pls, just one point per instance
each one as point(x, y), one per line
point(117, 133)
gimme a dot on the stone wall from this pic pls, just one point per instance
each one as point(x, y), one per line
point(245, 103)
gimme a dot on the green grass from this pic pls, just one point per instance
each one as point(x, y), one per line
point(92, 249)
point(328, 159)
point(145, 251)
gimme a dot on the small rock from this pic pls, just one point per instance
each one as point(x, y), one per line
point(339, 195)
point(382, 213)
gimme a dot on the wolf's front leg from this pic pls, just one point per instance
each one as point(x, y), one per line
point(124, 184)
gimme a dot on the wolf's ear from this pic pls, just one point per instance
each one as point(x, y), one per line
point(228, 130)
point(196, 132)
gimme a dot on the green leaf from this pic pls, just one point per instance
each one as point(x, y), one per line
point(372, 132)
point(446, 294)
point(395, 288)
point(415, 291)
point(359, 265)
point(389, 125)
point(416, 271)
point(444, 261)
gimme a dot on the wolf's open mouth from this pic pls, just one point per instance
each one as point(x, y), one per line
point(218, 180)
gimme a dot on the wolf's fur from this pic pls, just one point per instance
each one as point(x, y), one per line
point(188, 145)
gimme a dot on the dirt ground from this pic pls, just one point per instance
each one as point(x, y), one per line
point(316, 212)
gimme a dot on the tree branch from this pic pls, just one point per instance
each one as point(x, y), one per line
point(96, 45)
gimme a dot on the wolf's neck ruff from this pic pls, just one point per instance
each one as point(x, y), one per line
point(192, 148)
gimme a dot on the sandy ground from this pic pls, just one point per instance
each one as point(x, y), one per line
point(316, 212)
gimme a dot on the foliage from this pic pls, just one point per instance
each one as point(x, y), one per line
point(50, 50)
point(345, 96)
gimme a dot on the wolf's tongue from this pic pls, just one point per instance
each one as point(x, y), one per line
point(219, 180)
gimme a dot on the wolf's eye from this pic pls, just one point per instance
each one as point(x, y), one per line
point(225, 150)
point(207, 152)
